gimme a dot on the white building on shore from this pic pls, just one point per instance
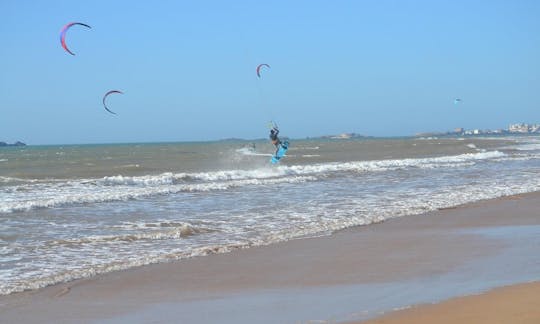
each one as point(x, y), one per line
point(524, 128)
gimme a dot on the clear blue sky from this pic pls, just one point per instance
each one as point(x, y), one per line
point(187, 68)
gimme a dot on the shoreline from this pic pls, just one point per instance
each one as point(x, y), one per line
point(348, 268)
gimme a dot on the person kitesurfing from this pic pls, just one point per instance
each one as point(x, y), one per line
point(274, 131)
point(281, 147)
point(274, 136)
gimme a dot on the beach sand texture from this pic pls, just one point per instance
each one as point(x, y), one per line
point(519, 304)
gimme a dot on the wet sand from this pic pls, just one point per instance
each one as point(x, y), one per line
point(352, 275)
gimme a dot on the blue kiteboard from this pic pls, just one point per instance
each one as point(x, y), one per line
point(283, 147)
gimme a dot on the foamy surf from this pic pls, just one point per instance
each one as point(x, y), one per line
point(36, 194)
point(251, 152)
point(74, 225)
point(43, 196)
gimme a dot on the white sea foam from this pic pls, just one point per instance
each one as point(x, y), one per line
point(250, 151)
point(144, 242)
point(306, 148)
point(178, 231)
point(22, 180)
point(56, 193)
point(524, 144)
point(385, 165)
point(307, 224)
point(528, 147)
point(78, 193)
point(127, 166)
point(39, 279)
point(6, 179)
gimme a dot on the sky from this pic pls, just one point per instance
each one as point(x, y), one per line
point(187, 68)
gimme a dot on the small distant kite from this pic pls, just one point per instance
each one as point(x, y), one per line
point(259, 68)
point(63, 34)
point(105, 96)
point(457, 101)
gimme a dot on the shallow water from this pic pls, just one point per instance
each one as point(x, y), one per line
point(68, 212)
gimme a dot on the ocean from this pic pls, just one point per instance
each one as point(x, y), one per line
point(75, 211)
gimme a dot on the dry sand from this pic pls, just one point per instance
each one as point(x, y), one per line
point(519, 304)
point(386, 254)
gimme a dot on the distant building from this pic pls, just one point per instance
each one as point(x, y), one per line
point(344, 136)
point(518, 128)
point(524, 128)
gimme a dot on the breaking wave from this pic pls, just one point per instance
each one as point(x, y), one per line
point(24, 195)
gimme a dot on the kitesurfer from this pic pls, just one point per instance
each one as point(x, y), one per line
point(274, 136)
point(281, 147)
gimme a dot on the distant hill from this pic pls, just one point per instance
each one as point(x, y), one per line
point(14, 144)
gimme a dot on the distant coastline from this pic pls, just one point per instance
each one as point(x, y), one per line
point(515, 129)
point(341, 136)
point(3, 144)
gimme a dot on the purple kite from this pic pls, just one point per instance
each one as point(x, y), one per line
point(259, 68)
point(105, 96)
point(63, 35)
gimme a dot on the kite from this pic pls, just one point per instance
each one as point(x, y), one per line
point(105, 96)
point(457, 100)
point(259, 68)
point(63, 35)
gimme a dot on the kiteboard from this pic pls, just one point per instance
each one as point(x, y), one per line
point(283, 147)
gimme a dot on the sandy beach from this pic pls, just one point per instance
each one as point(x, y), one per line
point(352, 275)
point(519, 304)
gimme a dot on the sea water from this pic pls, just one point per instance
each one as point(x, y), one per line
point(69, 212)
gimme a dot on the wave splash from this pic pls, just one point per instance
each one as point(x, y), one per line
point(24, 195)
